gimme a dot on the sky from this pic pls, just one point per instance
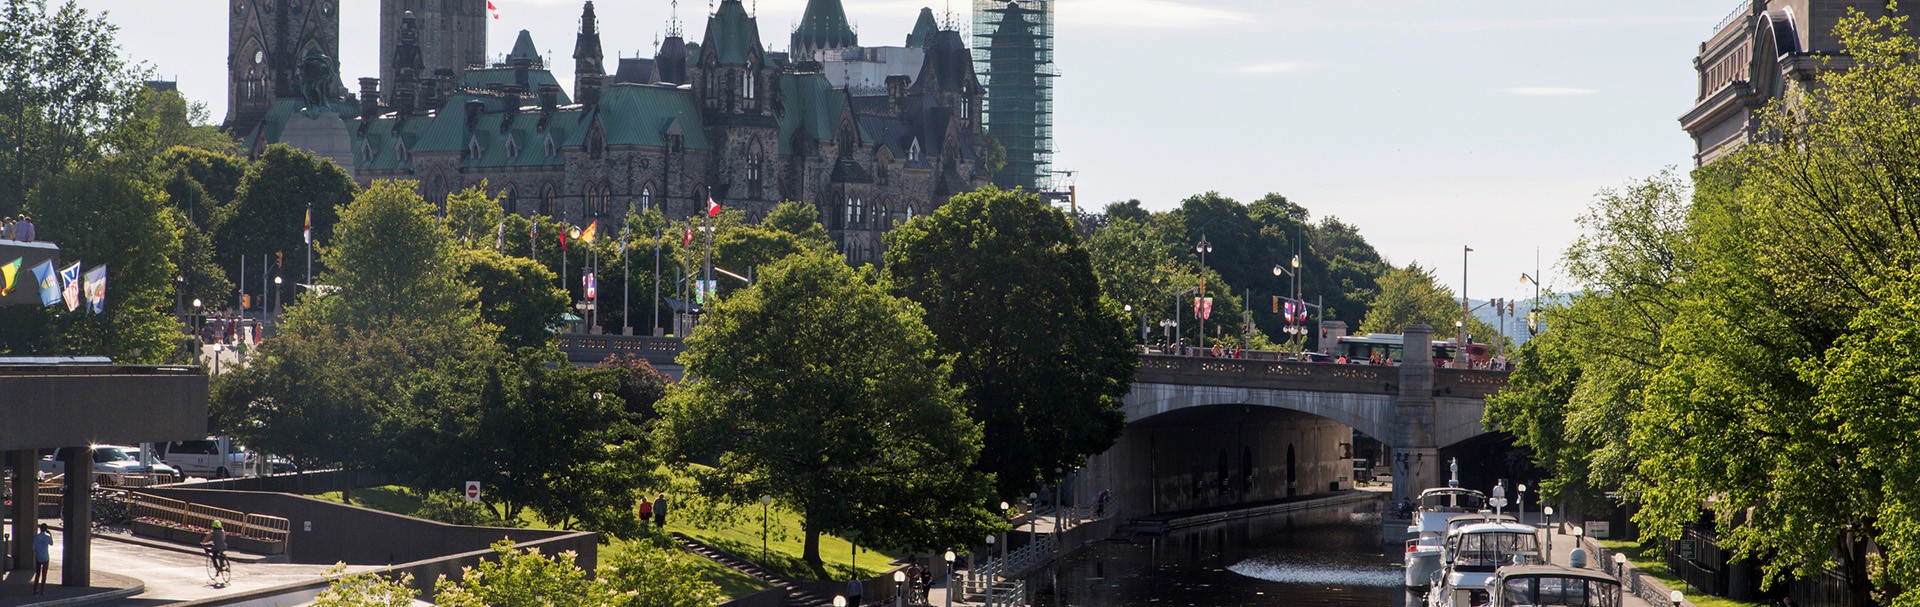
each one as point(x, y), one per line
point(1432, 126)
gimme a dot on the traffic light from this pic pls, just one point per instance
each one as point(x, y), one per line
point(246, 301)
point(278, 256)
point(1276, 304)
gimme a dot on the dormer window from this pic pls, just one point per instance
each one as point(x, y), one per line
point(513, 148)
point(400, 151)
point(473, 148)
point(913, 151)
point(366, 151)
point(552, 150)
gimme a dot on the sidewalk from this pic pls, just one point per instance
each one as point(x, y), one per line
point(1562, 554)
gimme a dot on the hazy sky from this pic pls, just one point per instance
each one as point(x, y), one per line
point(1430, 125)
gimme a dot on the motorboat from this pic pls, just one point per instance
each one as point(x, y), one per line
point(1428, 533)
point(1552, 586)
point(1473, 554)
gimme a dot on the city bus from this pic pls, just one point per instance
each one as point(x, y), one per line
point(1362, 349)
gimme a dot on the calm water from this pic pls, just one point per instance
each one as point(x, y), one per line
point(1324, 557)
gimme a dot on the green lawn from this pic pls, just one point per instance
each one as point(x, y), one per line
point(739, 532)
point(1657, 567)
point(398, 500)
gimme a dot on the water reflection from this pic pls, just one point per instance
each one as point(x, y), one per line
point(1326, 557)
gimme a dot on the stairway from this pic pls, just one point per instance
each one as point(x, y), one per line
point(796, 597)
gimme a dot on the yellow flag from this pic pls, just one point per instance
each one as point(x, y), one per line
point(8, 272)
point(586, 235)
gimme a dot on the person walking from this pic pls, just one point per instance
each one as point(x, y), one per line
point(855, 590)
point(42, 556)
point(660, 511)
point(645, 510)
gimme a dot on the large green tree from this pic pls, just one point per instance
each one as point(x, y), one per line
point(1413, 295)
point(105, 214)
point(1044, 357)
point(820, 388)
point(66, 94)
point(270, 207)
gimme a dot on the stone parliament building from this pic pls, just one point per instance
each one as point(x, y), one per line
point(724, 117)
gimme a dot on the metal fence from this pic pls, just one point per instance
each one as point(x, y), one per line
point(257, 526)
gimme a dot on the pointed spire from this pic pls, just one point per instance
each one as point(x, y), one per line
point(923, 30)
point(524, 51)
point(589, 63)
point(824, 26)
point(673, 23)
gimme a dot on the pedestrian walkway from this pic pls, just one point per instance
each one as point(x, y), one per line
point(1562, 544)
point(155, 574)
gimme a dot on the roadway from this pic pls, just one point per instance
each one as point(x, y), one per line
point(169, 574)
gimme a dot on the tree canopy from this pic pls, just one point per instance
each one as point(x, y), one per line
point(1043, 356)
point(848, 416)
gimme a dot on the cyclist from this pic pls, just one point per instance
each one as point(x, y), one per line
point(216, 542)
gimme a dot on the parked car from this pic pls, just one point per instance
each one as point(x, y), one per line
point(111, 464)
point(212, 457)
point(158, 467)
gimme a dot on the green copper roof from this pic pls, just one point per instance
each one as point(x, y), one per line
point(523, 48)
point(639, 114)
point(824, 25)
point(812, 108)
point(732, 34)
point(923, 29)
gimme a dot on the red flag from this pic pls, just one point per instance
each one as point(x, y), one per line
point(493, 9)
point(689, 239)
point(563, 241)
point(713, 208)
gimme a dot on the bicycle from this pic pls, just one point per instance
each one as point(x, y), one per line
point(219, 569)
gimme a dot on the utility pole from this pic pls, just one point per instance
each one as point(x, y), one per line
point(1460, 346)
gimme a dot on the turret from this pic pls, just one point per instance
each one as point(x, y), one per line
point(589, 69)
point(823, 27)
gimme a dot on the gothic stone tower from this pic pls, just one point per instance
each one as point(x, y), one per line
point(452, 36)
point(266, 40)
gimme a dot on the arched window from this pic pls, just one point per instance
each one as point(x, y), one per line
point(746, 84)
point(509, 199)
point(549, 200)
point(592, 197)
point(646, 197)
point(606, 197)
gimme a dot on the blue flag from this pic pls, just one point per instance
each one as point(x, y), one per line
point(96, 289)
point(49, 283)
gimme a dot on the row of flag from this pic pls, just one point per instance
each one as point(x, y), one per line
point(66, 285)
point(587, 234)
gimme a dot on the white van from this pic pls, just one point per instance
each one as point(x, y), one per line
point(213, 457)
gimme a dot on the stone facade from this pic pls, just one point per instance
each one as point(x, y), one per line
point(724, 118)
point(1754, 56)
point(452, 35)
point(266, 42)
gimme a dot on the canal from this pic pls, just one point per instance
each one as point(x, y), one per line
point(1321, 557)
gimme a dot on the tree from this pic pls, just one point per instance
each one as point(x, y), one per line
point(219, 176)
point(800, 219)
point(1043, 356)
point(515, 294)
point(847, 415)
point(641, 386)
point(164, 120)
point(272, 203)
point(198, 276)
point(651, 575)
point(65, 91)
point(1412, 295)
point(475, 218)
point(103, 214)
point(524, 577)
point(364, 590)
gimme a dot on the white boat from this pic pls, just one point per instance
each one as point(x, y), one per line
point(1429, 529)
point(1473, 554)
point(1552, 586)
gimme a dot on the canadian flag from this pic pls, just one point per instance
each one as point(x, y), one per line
point(689, 239)
point(495, 10)
point(713, 208)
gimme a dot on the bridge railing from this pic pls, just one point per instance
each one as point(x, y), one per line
point(582, 348)
point(1309, 376)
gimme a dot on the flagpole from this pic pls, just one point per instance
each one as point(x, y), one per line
point(626, 276)
point(656, 282)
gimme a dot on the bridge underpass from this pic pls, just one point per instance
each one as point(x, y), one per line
point(1185, 411)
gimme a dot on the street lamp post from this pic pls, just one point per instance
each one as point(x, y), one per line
point(279, 299)
point(1520, 505)
point(1620, 567)
point(1460, 359)
point(1203, 248)
point(900, 588)
point(1547, 512)
point(1677, 597)
point(1033, 519)
point(949, 556)
point(765, 501)
point(990, 575)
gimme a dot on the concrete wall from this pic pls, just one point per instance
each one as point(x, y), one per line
point(70, 405)
point(1172, 463)
point(327, 532)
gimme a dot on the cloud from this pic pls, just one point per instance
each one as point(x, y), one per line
point(1156, 14)
point(1549, 91)
point(1279, 67)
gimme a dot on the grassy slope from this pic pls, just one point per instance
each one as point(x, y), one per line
point(1657, 567)
point(400, 501)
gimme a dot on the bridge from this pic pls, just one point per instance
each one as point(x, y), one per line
point(1208, 432)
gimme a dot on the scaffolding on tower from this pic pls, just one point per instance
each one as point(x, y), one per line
point(1013, 55)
